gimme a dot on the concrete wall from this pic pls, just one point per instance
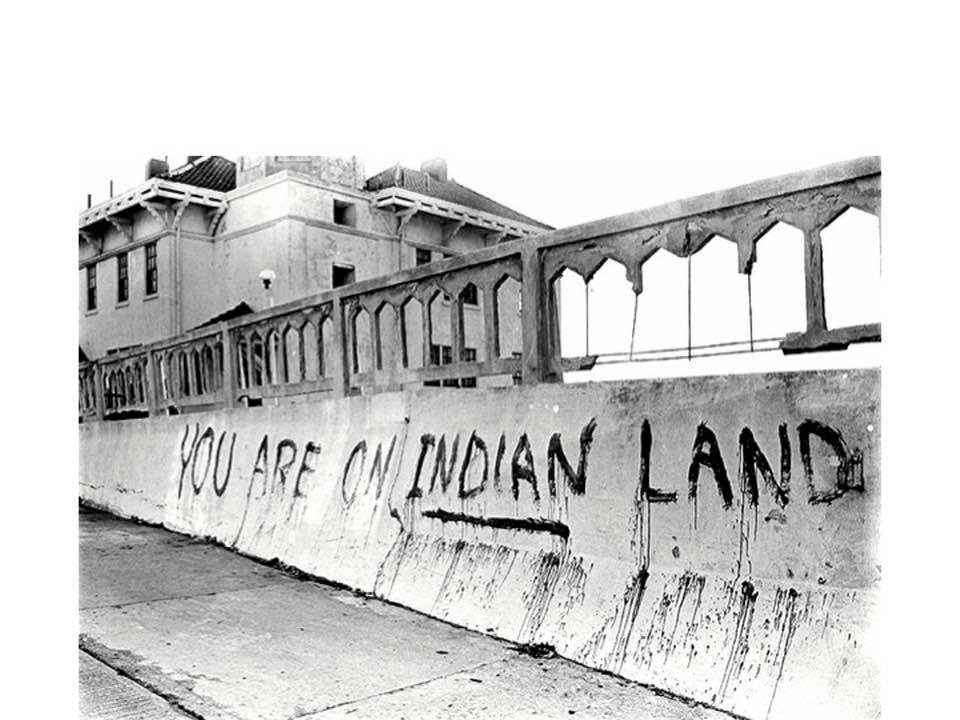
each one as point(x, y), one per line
point(714, 537)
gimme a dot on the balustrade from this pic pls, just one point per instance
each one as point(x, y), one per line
point(487, 317)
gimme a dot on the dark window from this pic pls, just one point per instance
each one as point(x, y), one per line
point(343, 275)
point(443, 355)
point(151, 277)
point(423, 256)
point(123, 279)
point(517, 376)
point(91, 287)
point(469, 355)
point(469, 295)
point(344, 213)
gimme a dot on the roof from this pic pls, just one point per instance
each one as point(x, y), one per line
point(212, 172)
point(236, 311)
point(449, 190)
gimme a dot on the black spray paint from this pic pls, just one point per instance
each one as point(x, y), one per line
point(309, 452)
point(753, 460)
point(217, 487)
point(849, 467)
point(524, 471)
point(577, 481)
point(474, 444)
point(360, 449)
point(206, 438)
point(706, 453)
point(445, 471)
point(185, 460)
point(553, 527)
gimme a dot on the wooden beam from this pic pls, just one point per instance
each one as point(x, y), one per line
point(451, 230)
point(213, 219)
point(179, 208)
point(405, 216)
point(160, 212)
point(124, 227)
point(96, 241)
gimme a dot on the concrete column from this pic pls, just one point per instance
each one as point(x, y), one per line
point(151, 389)
point(456, 329)
point(340, 372)
point(229, 370)
point(813, 271)
point(540, 361)
point(491, 323)
point(98, 390)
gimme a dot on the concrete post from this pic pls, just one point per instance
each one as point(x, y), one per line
point(98, 391)
point(491, 323)
point(153, 395)
point(340, 372)
point(229, 370)
point(540, 361)
point(813, 274)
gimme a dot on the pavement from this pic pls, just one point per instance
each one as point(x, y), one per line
point(176, 627)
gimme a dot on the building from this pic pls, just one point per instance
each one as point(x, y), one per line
point(189, 244)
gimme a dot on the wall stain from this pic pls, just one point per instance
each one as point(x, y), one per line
point(740, 643)
point(537, 598)
point(786, 618)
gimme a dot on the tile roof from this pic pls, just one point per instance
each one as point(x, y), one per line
point(212, 172)
point(449, 190)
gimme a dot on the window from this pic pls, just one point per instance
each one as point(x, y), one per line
point(123, 280)
point(443, 355)
point(344, 213)
point(440, 354)
point(469, 355)
point(423, 256)
point(469, 295)
point(91, 287)
point(343, 275)
point(151, 265)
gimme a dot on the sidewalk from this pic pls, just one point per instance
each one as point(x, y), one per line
point(172, 627)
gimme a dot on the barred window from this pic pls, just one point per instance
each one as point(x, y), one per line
point(123, 280)
point(151, 268)
point(92, 287)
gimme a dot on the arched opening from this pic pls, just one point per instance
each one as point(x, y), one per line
point(509, 330)
point(293, 371)
point(387, 336)
point(411, 331)
point(851, 269)
point(361, 345)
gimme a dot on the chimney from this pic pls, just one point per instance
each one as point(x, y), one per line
point(193, 158)
point(156, 167)
point(436, 168)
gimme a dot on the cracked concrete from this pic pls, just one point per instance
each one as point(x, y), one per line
point(172, 627)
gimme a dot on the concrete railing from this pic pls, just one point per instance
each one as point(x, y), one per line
point(340, 343)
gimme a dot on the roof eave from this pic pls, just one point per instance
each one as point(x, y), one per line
point(156, 188)
point(398, 198)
